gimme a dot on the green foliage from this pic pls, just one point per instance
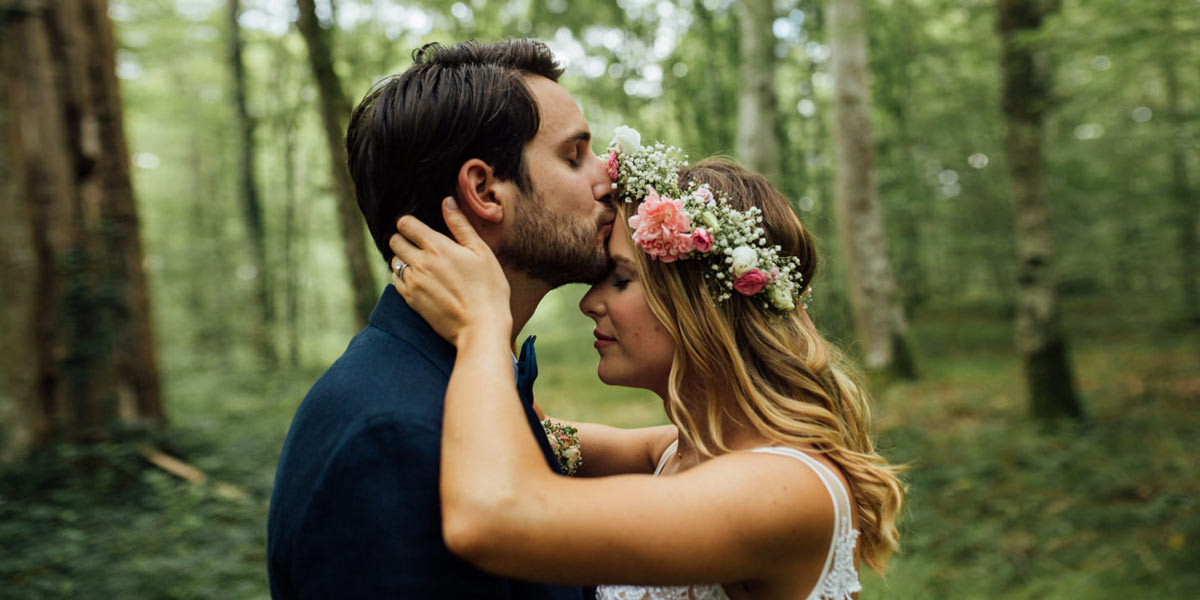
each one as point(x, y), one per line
point(100, 522)
point(1001, 508)
point(997, 507)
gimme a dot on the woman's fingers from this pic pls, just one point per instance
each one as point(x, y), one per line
point(403, 248)
point(458, 224)
point(418, 233)
point(398, 268)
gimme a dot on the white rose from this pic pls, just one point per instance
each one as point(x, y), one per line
point(781, 297)
point(573, 458)
point(627, 139)
point(744, 259)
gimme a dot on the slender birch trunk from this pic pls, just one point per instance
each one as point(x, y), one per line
point(878, 315)
point(1026, 95)
point(758, 144)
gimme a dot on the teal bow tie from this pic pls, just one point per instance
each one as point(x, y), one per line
point(527, 370)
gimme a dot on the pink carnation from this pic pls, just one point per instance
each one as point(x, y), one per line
point(702, 239)
point(660, 228)
point(613, 164)
point(751, 282)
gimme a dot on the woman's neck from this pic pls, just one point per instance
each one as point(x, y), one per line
point(734, 435)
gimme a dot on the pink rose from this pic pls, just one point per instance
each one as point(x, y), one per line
point(613, 164)
point(703, 194)
point(751, 282)
point(660, 228)
point(702, 239)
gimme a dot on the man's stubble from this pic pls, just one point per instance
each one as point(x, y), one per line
point(550, 247)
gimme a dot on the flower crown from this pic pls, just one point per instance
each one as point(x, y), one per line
point(678, 224)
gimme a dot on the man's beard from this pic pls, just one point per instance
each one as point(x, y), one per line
point(551, 248)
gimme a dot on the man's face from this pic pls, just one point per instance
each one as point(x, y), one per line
point(560, 229)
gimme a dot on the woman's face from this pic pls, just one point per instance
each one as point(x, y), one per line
point(635, 350)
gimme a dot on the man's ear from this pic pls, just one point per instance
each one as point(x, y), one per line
point(478, 191)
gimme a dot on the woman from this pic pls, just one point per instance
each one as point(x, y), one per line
point(768, 485)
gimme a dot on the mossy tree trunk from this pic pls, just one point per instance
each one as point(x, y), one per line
point(1025, 99)
point(77, 354)
point(1186, 205)
point(335, 113)
point(252, 211)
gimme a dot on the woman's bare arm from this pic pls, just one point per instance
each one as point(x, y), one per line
point(738, 517)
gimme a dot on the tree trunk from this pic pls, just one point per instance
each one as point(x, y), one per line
point(910, 209)
point(263, 331)
point(335, 113)
point(78, 358)
point(1181, 192)
point(878, 315)
point(286, 124)
point(1040, 341)
point(758, 131)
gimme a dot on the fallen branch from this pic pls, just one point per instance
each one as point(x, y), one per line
point(188, 473)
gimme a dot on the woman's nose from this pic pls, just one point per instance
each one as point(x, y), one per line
point(591, 304)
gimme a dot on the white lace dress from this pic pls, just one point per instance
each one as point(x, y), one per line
point(838, 581)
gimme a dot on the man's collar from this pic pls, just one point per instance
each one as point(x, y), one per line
point(396, 318)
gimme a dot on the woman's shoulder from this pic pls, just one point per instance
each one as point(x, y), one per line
point(800, 478)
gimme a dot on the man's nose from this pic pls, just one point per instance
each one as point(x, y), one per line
point(603, 188)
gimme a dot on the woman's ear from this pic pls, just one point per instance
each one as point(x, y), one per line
point(477, 191)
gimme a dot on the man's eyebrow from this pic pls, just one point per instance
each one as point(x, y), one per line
point(582, 135)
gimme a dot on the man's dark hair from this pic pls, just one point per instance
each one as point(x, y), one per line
point(413, 131)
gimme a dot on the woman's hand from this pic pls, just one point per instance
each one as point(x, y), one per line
point(459, 288)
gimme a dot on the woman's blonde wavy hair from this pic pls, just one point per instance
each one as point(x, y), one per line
point(772, 372)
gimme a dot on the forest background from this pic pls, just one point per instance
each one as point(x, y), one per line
point(1027, 310)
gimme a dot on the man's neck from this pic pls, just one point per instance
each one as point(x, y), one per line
point(525, 293)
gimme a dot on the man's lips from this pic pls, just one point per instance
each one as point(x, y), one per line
point(606, 226)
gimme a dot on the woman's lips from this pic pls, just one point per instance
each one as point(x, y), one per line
point(603, 341)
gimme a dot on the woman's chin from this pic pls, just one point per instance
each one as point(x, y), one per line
point(605, 377)
point(629, 380)
point(609, 377)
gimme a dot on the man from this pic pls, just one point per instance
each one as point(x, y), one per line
point(355, 511)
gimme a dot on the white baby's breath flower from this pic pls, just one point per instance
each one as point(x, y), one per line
point(627, 139)
point(744, 259)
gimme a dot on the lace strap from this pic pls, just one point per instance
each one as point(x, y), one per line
point(662, 460)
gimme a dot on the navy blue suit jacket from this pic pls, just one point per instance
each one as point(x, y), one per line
point(355, 511)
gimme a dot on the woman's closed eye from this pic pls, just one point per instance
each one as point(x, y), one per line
point(620, 277)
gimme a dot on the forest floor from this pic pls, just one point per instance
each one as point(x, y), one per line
point(998, 507)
